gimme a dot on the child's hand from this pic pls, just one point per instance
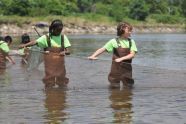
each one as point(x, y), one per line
point(21, 46)
point(92, 58)
point(118, 60)
point(62, 53)
point(10, 59)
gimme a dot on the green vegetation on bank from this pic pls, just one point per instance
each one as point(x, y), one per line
point(85, 19)
point(82, 20)
point(94, 12)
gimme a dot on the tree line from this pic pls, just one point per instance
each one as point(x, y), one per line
point(163, 11)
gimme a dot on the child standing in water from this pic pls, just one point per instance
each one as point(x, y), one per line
point(24, 52)
point(8, 40)
point(56, 47)
point(4, 51)
point(124, 50)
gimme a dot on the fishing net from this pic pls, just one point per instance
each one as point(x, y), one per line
point(35, 58)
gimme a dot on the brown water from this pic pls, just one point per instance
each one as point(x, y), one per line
point(158, 96)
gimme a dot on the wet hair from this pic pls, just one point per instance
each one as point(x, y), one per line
point(121, 28)
point(8, 39)
point(56, 24)
point(25, 38)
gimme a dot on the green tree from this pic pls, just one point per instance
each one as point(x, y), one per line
point(184, 7)
point(102, 9)
point(4, 5)
point(18, 7)
point(119, 10)
point(71, 7)
point(158, 6)
point(38, 8)
point(139, 10)
point(114, 9)
point(85, 5)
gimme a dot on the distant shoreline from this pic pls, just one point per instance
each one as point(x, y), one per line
point(14, 30)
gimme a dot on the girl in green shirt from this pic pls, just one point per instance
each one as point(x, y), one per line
point(56, 47)
point(124, 50)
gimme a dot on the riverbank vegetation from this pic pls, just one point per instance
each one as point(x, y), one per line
point(141, 13)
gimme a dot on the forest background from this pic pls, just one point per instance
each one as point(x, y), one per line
point(98, 16)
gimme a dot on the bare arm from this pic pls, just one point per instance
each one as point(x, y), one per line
point(127, 57)
point(10, 59)
point(96, 53)
point(28, 44)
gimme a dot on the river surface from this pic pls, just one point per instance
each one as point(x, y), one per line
point(158, 96)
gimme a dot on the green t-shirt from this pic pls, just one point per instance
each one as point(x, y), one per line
point(22, 51)
point(55, 41)
point(4, 46)
point(111, 44)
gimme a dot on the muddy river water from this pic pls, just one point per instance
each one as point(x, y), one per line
point(158, 96)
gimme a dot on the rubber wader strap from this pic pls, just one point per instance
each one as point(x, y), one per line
point(62, 43)
point(130, 43)
point(115, 51)
point(49, 43)
point(118, 43)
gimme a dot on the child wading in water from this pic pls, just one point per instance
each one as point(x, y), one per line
point(124, 50)
point(8, 40)
point(24, 52)
point(4, 52)
point(55, 46)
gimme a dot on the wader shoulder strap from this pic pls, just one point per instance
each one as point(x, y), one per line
point(118, 43)
point(115, 52)
point(62, 42)
point(48, 41)
point(130, 43)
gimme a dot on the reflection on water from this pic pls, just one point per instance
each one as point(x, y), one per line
point(55, 103)
point(2, 71)
point(4, 78)
point(121, 102)
point(159, 106)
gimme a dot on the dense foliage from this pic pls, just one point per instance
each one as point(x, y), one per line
point(163, 11)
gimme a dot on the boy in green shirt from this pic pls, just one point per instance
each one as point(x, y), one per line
point(124, 50)
point(56, 47)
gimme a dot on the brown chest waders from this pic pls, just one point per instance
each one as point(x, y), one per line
point(121, 71)
point(54, 63)
point(2, 59)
